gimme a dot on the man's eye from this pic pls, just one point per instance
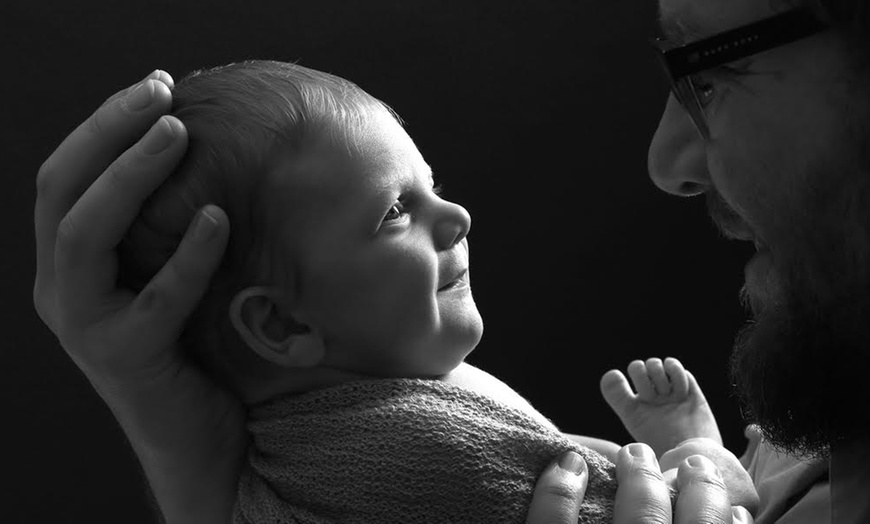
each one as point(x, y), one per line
point(705, 86)
point(395, 212)
point(705, 91)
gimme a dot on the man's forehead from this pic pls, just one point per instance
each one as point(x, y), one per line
point(684, 21)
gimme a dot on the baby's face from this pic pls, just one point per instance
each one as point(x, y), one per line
point(380, 260)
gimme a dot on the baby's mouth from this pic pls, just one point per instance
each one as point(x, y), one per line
point(459, 281)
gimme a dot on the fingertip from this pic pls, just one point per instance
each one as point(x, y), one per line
point(216, 213)
point(702, 490)
point(559, 491)
point(179, 131)
point(162, 76)
point(672, 363)
point(162, 91)
point(634, 457)
point(639, 478)
point(698, 468)
point(610, 378)
point(573, 463)
point(655, 369)
point(616, 391)
point(741, 515)
point(692, 383)
point(637, 370)
point(641, 380)
point(209, 225)
point(637, 365)
point(641, 452)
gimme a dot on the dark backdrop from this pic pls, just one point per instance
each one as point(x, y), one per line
point(536, 116)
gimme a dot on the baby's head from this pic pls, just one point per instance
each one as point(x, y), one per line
point(342, 262)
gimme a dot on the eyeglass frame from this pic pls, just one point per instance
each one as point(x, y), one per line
point(682, 61)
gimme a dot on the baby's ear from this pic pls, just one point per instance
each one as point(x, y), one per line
point(265, 327)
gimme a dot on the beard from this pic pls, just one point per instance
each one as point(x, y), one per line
point(801, 363)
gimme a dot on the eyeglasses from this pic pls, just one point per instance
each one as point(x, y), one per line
point(682, 62)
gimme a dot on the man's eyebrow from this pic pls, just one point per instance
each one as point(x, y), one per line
point(680, 29)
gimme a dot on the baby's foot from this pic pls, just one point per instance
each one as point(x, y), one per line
point(668, 408)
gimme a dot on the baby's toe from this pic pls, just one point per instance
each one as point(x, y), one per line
point(656, 372)
point(639, 374)
point(678, 377)
point(617, 392)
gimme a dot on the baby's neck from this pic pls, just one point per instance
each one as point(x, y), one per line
point(465, 376)
point(294, 382)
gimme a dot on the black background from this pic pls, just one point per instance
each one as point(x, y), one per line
point(535, 115)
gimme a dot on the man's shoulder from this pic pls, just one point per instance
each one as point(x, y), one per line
point(795, 490)
point(850, 482)
point(791, 489)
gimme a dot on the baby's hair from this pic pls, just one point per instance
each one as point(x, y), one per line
point(242, 119)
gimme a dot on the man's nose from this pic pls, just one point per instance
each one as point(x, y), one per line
point(677, 159)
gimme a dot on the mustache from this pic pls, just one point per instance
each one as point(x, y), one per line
point(725, 218)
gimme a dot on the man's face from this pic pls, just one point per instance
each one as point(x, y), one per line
point(380, 260)
point(785, 168)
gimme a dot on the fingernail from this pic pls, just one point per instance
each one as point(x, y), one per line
point(740, 514)
point(696, 462)
point(572, 462)
point(141, 96)
point(640, 451)
point(158, 138)
point(204, 227)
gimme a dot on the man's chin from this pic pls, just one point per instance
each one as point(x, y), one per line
point(797, 370)
point(771, 397)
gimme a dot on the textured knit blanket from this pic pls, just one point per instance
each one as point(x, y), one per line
point(403, 451)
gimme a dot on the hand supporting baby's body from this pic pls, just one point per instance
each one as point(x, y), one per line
point(694, 423)
point(669, 412)
point(741, 490)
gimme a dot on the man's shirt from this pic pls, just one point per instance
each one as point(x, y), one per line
point(792, 490)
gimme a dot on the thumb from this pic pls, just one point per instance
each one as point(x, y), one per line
point(177, 288)
point(559, 491)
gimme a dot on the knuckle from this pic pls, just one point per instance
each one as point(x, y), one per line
point(186, 268)
point(44, 176)
point(114, 174)
point(95, 124)
point(68, 242)
point(153, 298)
point(653, 516)
point(560, 491)
point(116, 96)
point(647, 511)
point(40, 303)
point(644, 473)
point(710, 480)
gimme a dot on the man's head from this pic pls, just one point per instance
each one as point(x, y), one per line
point(785, 164)
point(343, 260)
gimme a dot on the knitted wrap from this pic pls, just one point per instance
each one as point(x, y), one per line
point(403, 451)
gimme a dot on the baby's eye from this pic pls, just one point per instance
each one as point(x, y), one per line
point(395, 212)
